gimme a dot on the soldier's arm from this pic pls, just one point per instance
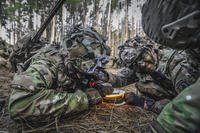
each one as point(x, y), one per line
point(45, 103)
point(32, 95)
point(124, 77)
point(182, 114)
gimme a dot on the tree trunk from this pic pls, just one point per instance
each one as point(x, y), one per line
point(126, 20)
point(53, 26)
point(109, 30)
point(96, 15)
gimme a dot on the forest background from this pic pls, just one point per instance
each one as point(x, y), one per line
point(118, 20)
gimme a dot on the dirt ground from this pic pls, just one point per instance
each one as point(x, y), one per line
point(100, 119)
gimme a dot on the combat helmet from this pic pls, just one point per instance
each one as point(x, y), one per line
point(173, 23)
point(93, 43)
point(138, 53)
point(128, 51)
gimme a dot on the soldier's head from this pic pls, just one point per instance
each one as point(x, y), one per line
point(147, 60)
point(85, 43)
point(173, 23)
point(137, 53)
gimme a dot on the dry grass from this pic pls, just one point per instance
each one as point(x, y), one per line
point(100, 119)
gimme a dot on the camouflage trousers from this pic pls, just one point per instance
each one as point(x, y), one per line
point(182, 114)
point(33, 98)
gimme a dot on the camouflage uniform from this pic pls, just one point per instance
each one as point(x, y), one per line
point(163, 83)
point(134, 54)
point(141, 61)
point(182, 113)
point(52, 85)
point(175, 23)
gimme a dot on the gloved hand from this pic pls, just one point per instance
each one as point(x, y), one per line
point(94, 96)
point(133, 99)
point(104, 88)
point(100, 90)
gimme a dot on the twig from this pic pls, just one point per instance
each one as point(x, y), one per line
point(57, 128)
point(2, 113)
point(111, 113)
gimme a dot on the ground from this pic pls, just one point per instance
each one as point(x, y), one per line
point(102, 118)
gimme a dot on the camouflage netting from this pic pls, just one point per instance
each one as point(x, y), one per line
point(102, 118)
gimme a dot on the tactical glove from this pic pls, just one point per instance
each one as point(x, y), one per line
point(94, 96)
point(133, 99)
point(104, 88)
point(146, 103)
point(100, 90)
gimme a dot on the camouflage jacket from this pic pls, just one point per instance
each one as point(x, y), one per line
point(170, 78)
point(181, 115)
point(44, 89)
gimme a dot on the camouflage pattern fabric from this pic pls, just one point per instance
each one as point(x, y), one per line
point(125, 76)
point(24, 49)
point(167, 81)
point(178, 70)
point(172, 76)
point(140, 60)
point(44, 90)
point(182, 114)
point(174, 23)
point(175, 67)
point(55, 81)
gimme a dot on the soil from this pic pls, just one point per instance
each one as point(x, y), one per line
point(102, 118)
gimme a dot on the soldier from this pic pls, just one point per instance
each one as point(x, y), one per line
point(151, 73)
point(56, 81)
point(141, 63)
point(135, 55)
point(175, 23)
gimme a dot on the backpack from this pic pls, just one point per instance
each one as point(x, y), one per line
point(23, 50)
